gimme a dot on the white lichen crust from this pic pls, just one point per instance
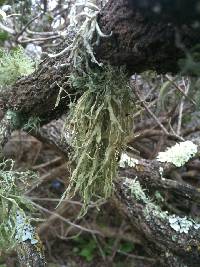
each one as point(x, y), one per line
point(24, 230)
point(125, 161)
point(178, 154)
point(182, 225)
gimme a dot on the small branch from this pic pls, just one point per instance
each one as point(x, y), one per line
point(7, 29)
point(181, 106)
point(180, 89)
point(136, 92)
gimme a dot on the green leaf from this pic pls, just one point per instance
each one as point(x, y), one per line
point(87, 254)
point(127, 247)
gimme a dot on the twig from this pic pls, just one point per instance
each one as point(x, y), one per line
point(181, 107)
point(27, 24)
point(179, 89)
point(135, 86)
point(56, 215)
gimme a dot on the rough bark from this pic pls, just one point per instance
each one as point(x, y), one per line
point(30, 255)
point(136, 42)
point(141, 43)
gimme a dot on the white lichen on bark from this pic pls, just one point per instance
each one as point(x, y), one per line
point(178, 154)
point(125, 161)
point(24, 230)
point(182, 224)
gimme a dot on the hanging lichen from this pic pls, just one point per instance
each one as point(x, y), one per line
point(102, 122)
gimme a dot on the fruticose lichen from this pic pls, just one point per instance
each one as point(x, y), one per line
point(101, 120)
point(178, 154)
point(102, 123)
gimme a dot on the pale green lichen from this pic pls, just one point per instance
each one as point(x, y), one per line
point(125, 161)
point(136, 190)
point(182, 224)
point(12, 202)
point(178, 154)
point(13, 118)
point(24, 230)
point(151, 209)
point(102, 123)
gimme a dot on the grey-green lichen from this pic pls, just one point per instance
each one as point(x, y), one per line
point(12, 203)
point(178, 154)
point(177, 223)
point(24, 230)
point(102, 123)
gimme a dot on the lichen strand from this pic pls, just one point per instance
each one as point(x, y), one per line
point(102, 122)
point(178, 154)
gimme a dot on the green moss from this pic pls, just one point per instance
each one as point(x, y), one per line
point(102, 122)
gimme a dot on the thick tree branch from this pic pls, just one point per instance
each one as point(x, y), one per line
point(136, 42)
point(140, 42)
point(172, 248)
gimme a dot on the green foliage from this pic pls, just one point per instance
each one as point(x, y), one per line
point(13, 65)
point(12, 185)
point(102, 122)
point(123, 246)
point(126, 247)
point(3, 36)
point(85, 248)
